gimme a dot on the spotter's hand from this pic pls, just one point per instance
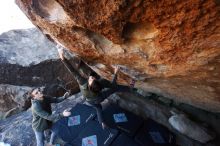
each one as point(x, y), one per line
point(66, 113)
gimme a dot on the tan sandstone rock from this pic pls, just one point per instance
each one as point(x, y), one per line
point(170, 47)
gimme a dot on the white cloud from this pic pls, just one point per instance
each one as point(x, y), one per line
point(11, 17)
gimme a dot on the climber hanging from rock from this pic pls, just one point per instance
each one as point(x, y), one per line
point(94, 89)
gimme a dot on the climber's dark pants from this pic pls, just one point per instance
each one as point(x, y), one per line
point(105, 94)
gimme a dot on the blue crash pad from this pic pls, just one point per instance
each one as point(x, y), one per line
point(124, 140)
point(125, 121)
point(154, 134)
point(94, 135)
point(67, 128)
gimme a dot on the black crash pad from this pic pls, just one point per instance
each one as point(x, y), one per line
point(68, 133)
point(94, 129)
point(124, 140)
point(130, 127)
point(154, 134)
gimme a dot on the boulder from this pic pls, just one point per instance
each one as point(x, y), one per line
point(17, 130)
point(191, 129)
point(26, 47)
point(193, 133)
point(27, 60)
point(169, 47)
point(13, 96)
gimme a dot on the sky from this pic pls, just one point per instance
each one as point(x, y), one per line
point(11, 17)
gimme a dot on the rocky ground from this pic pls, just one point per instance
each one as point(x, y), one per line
point(170, 48)
point(17, 130)
point(163, 110)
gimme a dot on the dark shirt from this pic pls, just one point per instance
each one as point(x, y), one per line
point(83, 82)
point(42, 113)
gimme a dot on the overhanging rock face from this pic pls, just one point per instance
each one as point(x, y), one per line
point(170, 47)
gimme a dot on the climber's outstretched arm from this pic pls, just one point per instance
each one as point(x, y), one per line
point(80, 79)
point(107, 84)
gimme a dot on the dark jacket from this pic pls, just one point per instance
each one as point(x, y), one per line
point(42, 113)
point(83, 82)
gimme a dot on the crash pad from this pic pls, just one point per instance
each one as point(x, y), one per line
point(69, 127)
point(124, 140)
point(154, 134)
point(94, 135)
point(125, 121)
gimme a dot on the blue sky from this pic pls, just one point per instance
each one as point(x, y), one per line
point(11, 17)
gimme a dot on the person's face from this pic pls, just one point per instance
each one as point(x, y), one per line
point(90, 80)
point(37, 94)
